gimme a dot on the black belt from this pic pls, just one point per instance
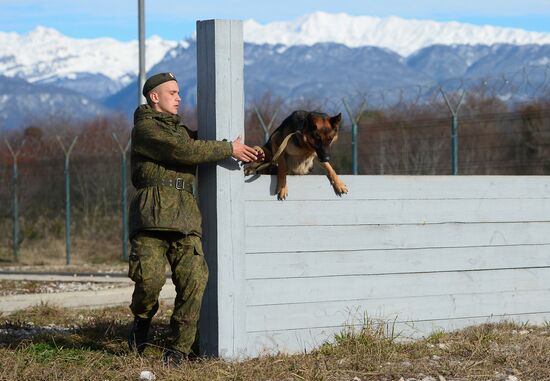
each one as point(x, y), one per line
point(176, 183)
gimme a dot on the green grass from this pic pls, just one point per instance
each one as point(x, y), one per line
point(48, 352)
point(93, 347)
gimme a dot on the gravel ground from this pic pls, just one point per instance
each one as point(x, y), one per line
point(66, 269)
point(17, 287)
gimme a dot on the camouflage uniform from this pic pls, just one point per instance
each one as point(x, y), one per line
point(165, 222)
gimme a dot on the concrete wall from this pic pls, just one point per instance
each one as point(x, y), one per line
point(421, 253)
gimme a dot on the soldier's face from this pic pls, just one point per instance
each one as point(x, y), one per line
point(166, 97)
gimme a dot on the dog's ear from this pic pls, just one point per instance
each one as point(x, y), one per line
point(335, 120)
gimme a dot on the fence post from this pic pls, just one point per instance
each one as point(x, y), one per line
point(15, 216)
point(220, 94)
point(262, 123)
point(124, 196)
point(454, 130)
point(354, 121)
point(141, 50)
point(67, 198)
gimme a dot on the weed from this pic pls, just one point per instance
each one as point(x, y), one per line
point(437, 337)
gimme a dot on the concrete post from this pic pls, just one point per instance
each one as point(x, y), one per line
point(220, 63)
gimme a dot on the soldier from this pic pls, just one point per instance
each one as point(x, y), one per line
point(165, 221)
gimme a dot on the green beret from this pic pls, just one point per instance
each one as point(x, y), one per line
point(156, 80)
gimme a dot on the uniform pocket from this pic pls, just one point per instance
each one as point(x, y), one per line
point(146, 260)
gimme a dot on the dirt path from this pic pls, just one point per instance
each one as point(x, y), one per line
point(60, 277)
point(74, 299)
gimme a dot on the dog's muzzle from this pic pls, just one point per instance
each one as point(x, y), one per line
point(324, 156)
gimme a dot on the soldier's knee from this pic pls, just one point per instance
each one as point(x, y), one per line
point(195, 277)
point(200, 272)
point(152, 286)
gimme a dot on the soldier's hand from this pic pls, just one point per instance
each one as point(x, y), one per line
point(243, 152)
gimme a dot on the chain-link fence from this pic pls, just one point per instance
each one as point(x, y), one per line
point(65, 176)
point(483, 126)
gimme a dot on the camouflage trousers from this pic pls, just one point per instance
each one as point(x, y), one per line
point(147, 264)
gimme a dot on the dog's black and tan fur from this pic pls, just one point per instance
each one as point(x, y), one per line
point(314, 134)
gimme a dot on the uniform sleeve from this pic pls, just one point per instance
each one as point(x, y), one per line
point(192, 133)
point(161, 146)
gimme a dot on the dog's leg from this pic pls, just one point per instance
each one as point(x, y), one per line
point(282, 188)
point(339, 187)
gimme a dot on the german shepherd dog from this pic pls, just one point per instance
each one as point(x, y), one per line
point(300, 138)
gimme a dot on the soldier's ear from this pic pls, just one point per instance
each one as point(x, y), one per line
point(154, 96)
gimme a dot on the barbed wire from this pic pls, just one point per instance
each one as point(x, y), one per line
point(527, 84)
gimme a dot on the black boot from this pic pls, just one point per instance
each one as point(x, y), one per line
point(172, 358)
point(137, 340)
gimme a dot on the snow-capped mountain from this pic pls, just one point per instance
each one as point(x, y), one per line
point(46, 56)
point(400, 35)
point(317, 56)
point(333, 71)
point(23, 103)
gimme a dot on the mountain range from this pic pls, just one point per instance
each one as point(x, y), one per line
point(318, 56)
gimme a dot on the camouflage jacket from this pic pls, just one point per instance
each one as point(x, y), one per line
point(162, 149)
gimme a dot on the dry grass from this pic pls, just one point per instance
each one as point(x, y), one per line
point(91, 345)
point(52, 252)
point(49, 255)
point(42, 243)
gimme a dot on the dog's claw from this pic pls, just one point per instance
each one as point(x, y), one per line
point(340, 189)
point(282, 194)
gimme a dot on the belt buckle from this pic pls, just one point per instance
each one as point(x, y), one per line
point(179, 183)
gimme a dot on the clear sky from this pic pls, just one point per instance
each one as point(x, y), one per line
point(175, 19)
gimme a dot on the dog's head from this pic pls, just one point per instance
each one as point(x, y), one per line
point(320, 132)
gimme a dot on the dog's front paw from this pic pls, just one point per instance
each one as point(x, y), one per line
point(340, 188)
point(248, 170)
point(282, 193)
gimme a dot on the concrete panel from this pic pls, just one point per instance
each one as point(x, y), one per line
point(393, 212)
point(411, 285)
point(304, 264)
point(402, 188)
point(303, 316)
point(290, 340)
point(358, 237)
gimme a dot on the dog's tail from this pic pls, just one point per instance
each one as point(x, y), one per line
point(253, 168)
